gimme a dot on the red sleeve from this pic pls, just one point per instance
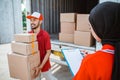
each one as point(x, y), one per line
point(47, 42)
point(82, 73)
point(30, 32)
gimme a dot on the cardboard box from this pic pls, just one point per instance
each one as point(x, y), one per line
point(83, 38)
point(68, 17)
point(21, 67)
point(25, 37)
point(67, 27)
point(64, 37)
point(83, 22)
point(24, 48)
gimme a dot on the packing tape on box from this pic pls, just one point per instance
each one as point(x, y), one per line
point(33, 45)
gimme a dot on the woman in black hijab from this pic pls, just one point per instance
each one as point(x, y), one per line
point(105, 27)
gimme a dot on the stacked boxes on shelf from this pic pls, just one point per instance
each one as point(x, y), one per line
point(24, 57)
point(67, 28)
point(82, 35)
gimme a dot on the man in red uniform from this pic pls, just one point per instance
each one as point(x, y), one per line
point(44, 46)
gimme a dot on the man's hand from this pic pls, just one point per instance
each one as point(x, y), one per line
point(37, 71)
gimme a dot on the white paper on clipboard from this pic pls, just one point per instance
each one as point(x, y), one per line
point(73, 58)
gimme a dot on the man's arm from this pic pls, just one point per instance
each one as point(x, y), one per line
point(48, 52)
point(40, 66)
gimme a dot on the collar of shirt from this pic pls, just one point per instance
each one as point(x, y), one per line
point(40, 32)
point(108, 49)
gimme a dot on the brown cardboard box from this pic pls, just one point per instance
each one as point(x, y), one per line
point(25, 37)
point(21, 67)
point(83, 38)
point(83, 22)
point(67, 17)
point(24, 48)
point(64, 37)
point(67, 27)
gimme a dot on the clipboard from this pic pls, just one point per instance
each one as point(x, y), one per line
point(73, 58)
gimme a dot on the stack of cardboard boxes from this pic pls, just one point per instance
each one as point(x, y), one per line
point(24, 57)
point(67, 27)
point(82, 35)
point(75, 29)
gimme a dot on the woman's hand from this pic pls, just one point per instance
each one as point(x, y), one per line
point(84, 52)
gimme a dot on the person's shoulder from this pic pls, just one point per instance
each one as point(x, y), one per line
point(45, 33)
point(92, 57)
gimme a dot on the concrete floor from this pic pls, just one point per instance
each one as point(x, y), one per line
point(59, 71)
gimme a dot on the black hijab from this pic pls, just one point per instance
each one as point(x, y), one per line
point(105, 21)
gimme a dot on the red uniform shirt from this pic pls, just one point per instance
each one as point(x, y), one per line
point(44, 44)
point(96, 66)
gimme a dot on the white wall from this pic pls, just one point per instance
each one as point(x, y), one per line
point(17, 16)
point(28, 8)
point(10, 19)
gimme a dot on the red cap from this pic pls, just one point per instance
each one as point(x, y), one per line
point(36, 15)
